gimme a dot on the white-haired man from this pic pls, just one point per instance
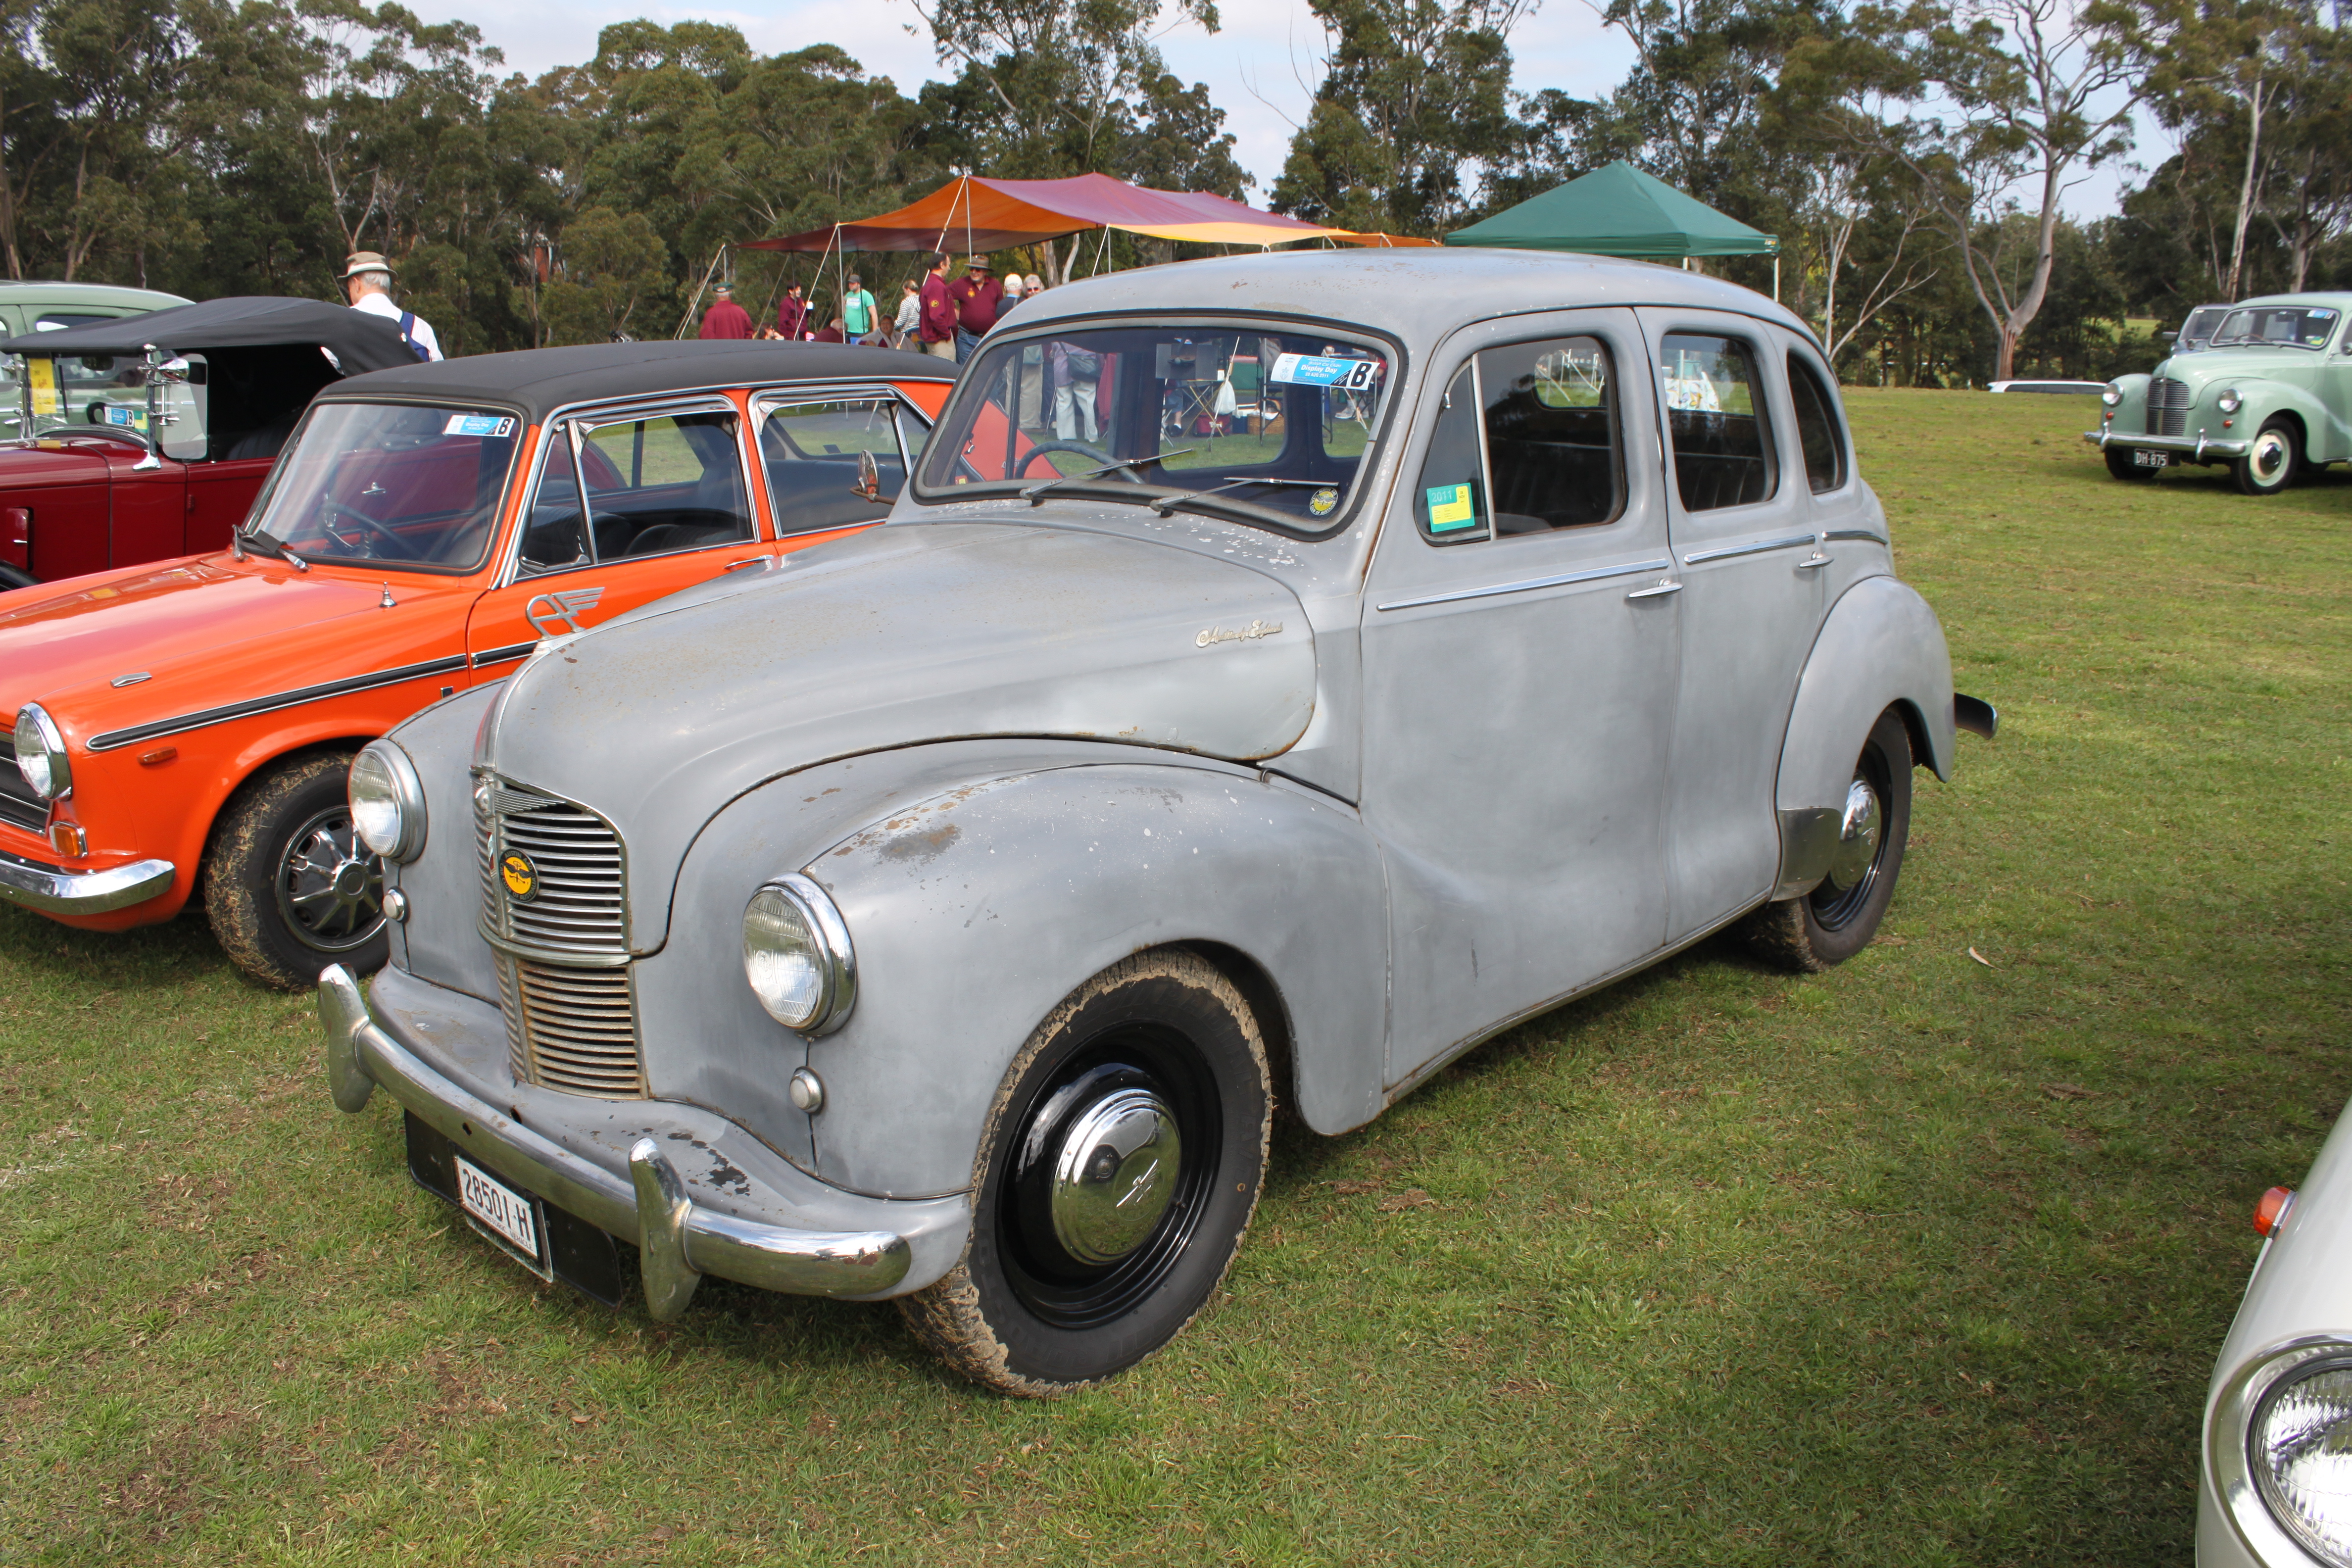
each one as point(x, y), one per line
point(367, 280)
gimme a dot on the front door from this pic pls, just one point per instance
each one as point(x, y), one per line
point(1752, 564)
point(219, 495)
point(667, 502)
point(1519, 641)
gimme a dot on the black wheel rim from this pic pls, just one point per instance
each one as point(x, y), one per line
point(330, 889)
point(1836, 904)
point(1057, 1286)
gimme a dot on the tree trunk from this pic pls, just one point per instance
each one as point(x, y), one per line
point(2246, 191)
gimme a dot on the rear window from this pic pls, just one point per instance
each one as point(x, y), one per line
point(404, 488)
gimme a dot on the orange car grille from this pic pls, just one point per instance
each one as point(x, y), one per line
point(554, 904)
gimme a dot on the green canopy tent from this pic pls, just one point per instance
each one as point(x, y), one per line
point(1620, 211)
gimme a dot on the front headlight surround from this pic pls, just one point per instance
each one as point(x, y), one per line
point(2229, 402)
point(2243, 1478)
point(797, 956)
point(387, 801)
point(41, 753)
point(2111, 395)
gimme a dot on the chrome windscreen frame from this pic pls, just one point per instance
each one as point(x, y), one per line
point(2229, 1438)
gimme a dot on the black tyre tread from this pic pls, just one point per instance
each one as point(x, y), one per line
point(946, 1317)
point(1783, 933)
point(235, 873)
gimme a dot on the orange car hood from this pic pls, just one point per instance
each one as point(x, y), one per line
point(203, 630)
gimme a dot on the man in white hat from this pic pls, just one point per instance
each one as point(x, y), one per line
point(367, 280)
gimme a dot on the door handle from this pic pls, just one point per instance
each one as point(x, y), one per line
point(1662, 586)
point(747, 561)
point(1812, 563)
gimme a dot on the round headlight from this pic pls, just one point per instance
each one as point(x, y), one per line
point(387, 802)
point(2299, 1445)
point(797, 957)
point(2111, 395)
point(2229, 402)
point(41, 753)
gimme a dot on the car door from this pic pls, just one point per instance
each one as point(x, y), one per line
point(625, 505)
point(1518, 642)
point(1749, 553)
point(811, 439)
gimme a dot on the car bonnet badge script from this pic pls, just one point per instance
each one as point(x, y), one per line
point(1249, 633)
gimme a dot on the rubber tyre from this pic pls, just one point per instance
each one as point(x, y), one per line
point(2273, 465)
point(2120, 466)
point(983, 1317)
point(1814, 931)
point(250, 847)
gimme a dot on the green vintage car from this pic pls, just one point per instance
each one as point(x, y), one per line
point(2271, 396)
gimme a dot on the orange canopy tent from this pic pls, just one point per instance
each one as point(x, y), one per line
point(973, 213)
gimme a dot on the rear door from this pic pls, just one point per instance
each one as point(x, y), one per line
point(625, 505)
point(810, 442)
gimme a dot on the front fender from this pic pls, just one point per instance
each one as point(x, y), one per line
point(1881, 647)
point(975, 911)
point(2130, 414)
point(2324, 436)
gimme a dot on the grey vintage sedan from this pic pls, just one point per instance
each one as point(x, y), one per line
point(1278, 676)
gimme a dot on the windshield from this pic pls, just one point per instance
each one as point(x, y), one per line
point(107, 396)
point(2287, 326)
point(1274, 421)
point(401, 488)
point(2198, 327)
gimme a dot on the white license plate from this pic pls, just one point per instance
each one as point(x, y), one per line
point(2145, 458)
point(498, 1206)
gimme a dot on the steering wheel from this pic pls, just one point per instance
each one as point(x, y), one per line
point(1101, 458)
point(337, 510)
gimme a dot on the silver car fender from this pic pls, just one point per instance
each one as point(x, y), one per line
point(1880, 646)
point(974, 911)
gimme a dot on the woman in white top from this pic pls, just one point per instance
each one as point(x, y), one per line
point(910, 315)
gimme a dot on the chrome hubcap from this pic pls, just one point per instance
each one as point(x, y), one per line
point(1113, 1175)
point(1858, 836)
point(329, 888)
point(2269, 454)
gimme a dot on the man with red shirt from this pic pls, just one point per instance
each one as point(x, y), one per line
point(792, 314)
point(939, 321)
point(976, 295)
point(726, 318)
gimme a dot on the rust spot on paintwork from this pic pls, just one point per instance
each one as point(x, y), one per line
point(921, 847)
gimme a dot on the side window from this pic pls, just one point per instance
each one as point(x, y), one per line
point(1716, 417)
point(653, 487)
point(1451, 500)
point(1817, 428)
point(810, 451)
point(1550, 412)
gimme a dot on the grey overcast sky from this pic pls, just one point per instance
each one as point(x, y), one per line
point(1260, 66)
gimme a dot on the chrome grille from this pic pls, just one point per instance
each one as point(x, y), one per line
point(18, 804)
point(2167, 407)
point(563, 965)
point(573, 1030)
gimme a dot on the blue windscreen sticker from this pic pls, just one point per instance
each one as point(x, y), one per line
point(488, 424)
point(1323, 370)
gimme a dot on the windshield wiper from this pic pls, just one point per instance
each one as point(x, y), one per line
point(1032, 494)
point(1163, 505)
point(267, 545)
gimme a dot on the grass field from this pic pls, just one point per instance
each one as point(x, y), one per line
point(1921, 1262)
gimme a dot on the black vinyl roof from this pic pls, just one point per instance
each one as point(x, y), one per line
point(536, 381)
point(358, 340)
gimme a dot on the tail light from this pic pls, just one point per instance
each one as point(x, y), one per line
point(2271, 1211)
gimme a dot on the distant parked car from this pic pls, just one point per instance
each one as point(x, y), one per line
point(2271, 397)
point(192, 720)
point(941, 918)
point(2278, 1415)
point(42, 307)
point(138, 455)
point(2197, 329)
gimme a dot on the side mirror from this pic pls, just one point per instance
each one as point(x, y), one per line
point(2168, 333)
point(869, 478)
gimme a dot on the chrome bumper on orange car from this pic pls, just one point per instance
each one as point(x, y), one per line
point(55, 890)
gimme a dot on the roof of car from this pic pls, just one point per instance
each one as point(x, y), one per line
point(358, 340)
point(47, 291)
point(2325, 301)
point(1419, 295)
point(536, 381)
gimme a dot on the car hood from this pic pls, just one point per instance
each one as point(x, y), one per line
point(894, 637)
point(47, 461)
point(2205, 366)
point(62, 644)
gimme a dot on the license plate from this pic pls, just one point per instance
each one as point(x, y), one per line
point(2143, 458)
point(506, 1212)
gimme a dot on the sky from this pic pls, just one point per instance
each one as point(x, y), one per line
point(1260, 66)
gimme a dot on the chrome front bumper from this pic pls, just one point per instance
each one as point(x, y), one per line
point(2196, 449)
point(53, 890)
point(681, 1237)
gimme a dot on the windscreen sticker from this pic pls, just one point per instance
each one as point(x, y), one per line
point(1450, 508)
point(43, 373)
point(116, 414)
point(488, 424)
point(1322, 369)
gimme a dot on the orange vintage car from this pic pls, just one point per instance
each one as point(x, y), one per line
point(182, 730)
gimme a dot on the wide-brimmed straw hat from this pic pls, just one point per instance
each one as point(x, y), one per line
point(360, 262)
point(978, 264)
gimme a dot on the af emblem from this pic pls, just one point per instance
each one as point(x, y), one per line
point(520, 875)
point(551, 612)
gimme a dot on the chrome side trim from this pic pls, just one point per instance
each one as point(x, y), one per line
point(53, 890)
point(1809, 841)
point(1857, 534)
point(362, 1055)
point(2197, 447)
point(1756, 547)
point(501, 655)
point(290, 699)
point(1530, 585)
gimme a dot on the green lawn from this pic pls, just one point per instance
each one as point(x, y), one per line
point(1923, 1261)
